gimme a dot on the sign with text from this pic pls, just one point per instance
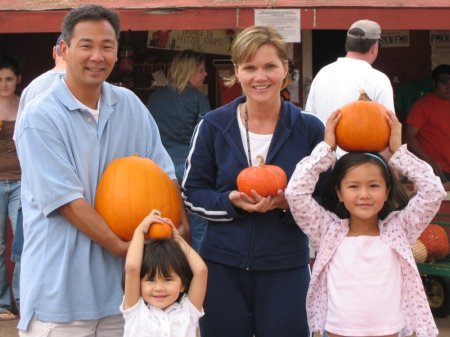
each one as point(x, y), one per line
point(213, 41)
point(440, 38)
point(395, 38)
point(286, 21)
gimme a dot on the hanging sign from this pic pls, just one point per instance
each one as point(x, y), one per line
point(440, 38)
point(395, 38)
point(212, 41)
point(286, 21)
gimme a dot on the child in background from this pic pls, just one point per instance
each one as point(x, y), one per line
point(365, 281)
point(165, 285)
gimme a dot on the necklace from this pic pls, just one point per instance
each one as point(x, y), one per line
point(249, 153)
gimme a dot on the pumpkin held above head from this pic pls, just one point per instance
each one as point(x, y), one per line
point(129, 189)
point(363, 126)
point(266, 180)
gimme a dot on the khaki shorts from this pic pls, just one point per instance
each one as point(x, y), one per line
point(111, 326)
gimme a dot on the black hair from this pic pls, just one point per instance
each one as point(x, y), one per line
point(397, 197)
point(443, 69)
point(163, 257)
point(89, 13)
point(358, 45)
point(9, 62)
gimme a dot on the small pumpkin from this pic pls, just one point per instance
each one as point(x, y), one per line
point(435, 239)
point(129, 188)
point(160, 231)
point(363, 126)
point(419, 251)
point(266, 180)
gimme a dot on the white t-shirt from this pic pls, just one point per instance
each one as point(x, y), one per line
point(365, 285)
point(340, 82)
point(259, 144)
point(178, 320)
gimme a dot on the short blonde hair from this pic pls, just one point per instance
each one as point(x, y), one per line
point(183, 66)
point(249, 41)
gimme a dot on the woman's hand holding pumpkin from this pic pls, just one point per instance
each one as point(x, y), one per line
point(255, 202)
point(329, 136)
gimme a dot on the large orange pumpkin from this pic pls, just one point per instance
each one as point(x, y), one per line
point(363, 126)
point(266, 180)
point(129, 189)
point(435, 239)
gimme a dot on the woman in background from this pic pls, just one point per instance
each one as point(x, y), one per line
point(10, 173)
point(177, 108)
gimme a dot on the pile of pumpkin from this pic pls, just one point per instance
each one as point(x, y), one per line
point(432, 245)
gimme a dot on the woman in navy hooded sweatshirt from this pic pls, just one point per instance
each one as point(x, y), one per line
point(257, 257)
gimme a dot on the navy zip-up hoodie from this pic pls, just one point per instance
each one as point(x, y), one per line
point(234, 237)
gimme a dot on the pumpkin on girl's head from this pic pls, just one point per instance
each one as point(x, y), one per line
point(129, 189)
point(160, 231)
point(434, 237)
point(363, 126)
point(266, 180)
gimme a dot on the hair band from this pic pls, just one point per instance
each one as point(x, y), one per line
point(378, 158)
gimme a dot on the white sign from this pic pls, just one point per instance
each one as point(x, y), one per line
point(213, 41)
point(286, 21)
point(440, 38)
point(395, 38)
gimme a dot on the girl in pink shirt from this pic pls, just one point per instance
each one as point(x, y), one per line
point(365, 281)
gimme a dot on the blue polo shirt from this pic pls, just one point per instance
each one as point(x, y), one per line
point(63, 152)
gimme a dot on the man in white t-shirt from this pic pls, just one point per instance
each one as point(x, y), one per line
point(340, 82)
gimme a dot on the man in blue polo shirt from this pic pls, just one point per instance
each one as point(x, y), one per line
point(72, 261)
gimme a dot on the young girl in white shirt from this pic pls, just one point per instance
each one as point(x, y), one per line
point(365, 281)
point(165, 285)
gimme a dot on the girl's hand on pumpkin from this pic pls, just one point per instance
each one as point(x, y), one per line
point(153, 216)
point(395, 141)
point(330, 127)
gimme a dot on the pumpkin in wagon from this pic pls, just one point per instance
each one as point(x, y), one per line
point(129, 188)
point(363, 126)
point(435, 239)
point(265, 179)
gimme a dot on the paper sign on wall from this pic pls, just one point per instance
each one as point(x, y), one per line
point(286, 21)
point(213, 41)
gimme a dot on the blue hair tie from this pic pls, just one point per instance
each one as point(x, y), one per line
point(378, 158)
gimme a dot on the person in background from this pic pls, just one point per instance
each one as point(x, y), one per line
point(10, 175)
point(72, 262)
point(43, 82)
point(428, 124)
point(365, 280)
point(35, 88)
point(257, 257)
point(340, 82)
point(177, 108)
point(165, 282)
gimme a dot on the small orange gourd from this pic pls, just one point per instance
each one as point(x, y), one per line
point(160, 231)
point(266, 180)
point(363, 126)
point(129, 188)
point(435, 239)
